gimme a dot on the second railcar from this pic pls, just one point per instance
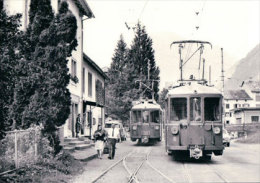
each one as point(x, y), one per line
point(146, 121)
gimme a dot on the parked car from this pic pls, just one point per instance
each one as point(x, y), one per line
point(117, 128)
point(226, 138)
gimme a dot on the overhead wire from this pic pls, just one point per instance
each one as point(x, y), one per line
point(141, 13)
point(194, 31)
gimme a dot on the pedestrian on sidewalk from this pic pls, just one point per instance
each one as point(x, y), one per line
point(100, 136)
point(112, 138)
point(78, 125)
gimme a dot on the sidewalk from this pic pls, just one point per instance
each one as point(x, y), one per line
point(86, 154)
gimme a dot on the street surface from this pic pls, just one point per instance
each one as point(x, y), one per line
point(239, 163)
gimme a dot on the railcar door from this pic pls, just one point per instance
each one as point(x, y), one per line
point(195, 129)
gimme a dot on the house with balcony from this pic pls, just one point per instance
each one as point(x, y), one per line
point(234, 99)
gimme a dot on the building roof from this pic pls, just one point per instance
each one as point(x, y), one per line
point(94, 65)
point(236, 95)
point(192, 88)
point(84, 8)
point(246, 109)
point(254, 86)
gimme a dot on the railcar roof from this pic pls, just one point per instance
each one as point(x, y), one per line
point(193, 88)
point(146, 105)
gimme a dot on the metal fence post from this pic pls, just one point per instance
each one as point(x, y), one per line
point(15, 150)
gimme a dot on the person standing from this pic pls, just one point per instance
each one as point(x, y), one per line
point(78, 125)
point(112, 138)
point(100, 137)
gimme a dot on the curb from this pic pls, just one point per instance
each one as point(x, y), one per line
point(89, 158)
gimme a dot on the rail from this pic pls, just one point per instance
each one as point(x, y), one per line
point(133, 175)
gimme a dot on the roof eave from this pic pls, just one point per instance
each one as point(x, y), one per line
point(94, 65)
point(83, 5)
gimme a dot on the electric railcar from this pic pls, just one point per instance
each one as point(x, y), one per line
point(146, 121)
point(194, 121)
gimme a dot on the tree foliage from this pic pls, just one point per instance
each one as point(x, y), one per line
point(128, 66)
point(9, 38)
point(40, 94)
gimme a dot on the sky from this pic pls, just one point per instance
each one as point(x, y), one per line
point(232, 25)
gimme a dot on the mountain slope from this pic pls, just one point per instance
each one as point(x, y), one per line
point(246, 69)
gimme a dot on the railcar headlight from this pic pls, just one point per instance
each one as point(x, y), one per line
point(174, 130)
point(216, 130)
point(134, 127)
point(157, 127)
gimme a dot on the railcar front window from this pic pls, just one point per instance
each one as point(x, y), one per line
point(136, 117)
point(178, 109)
point(195, 109)
point(146, 116)
point(155, 116)
point(212, 109)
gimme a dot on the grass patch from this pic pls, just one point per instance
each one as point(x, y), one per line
point(252, 138)
point(58, 169)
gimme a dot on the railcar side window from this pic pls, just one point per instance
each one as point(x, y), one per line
point(146, 116)
point(195, 109)
point(212, 109)
point(136, 117)
point(155, 116)
point(178, 109)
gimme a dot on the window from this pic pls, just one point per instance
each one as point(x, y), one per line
point(227, 122)
point(195, 109)
point(83, 80)
point(227, 114)
point(238, 120)
point(146, 116)
point(257, 96)
point(73, 68)
point(246, 105)
point(255, 118)
point(235, 106)
point(212, 109)
point(136, 116)
point(155, 116)
point(227, 106)
point(89, 84)
point(178, 109)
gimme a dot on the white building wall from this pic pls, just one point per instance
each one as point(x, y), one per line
point(240, 103)
point(97, 112)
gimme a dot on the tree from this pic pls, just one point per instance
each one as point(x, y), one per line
point(141, 55)
point(116, 85)
point(41, 94)
point(127, 67)
point(9, 38)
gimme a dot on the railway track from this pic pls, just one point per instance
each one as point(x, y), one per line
point(188, 176)
point(133, 174)
point(218, 173)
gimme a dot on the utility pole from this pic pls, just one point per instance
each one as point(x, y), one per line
point(222, 71)
point(181, 61)
point(203, 69)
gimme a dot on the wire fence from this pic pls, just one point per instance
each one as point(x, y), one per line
point(19, 148)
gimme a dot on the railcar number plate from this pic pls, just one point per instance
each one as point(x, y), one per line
point(146, 133)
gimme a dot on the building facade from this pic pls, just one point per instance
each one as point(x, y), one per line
point(253, 90)
point(234, 99)
point(247, 115)
point(89, 75)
